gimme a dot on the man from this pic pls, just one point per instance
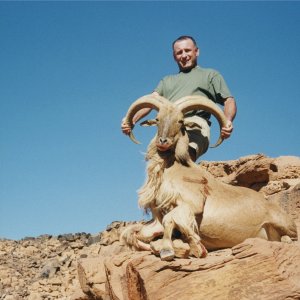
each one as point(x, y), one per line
point(193, 80)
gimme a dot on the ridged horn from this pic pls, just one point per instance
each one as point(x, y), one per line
point(189, 103)
point(147, 101)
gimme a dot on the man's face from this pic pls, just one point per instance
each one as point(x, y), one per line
point(185, 54)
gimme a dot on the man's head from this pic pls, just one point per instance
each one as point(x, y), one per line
point(185, 52)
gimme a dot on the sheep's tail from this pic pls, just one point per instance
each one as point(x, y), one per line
point(129, 237)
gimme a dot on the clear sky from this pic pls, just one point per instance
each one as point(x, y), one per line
point(69, 71)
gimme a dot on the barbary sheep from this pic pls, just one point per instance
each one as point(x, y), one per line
point(181, 195)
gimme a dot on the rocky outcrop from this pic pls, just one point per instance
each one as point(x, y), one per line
point(40, 268)
point(82, 266)
point(258, 172)
point(255, 269)
point(46, 267)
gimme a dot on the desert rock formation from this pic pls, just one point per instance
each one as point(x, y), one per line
point(82, 266)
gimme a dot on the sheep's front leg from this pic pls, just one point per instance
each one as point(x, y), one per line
point(167, 252)
point(183, 219)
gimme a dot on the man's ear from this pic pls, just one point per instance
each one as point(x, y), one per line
point(147, 123)
point(174, 56)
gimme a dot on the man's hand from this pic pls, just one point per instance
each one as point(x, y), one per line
point(230, 112)
point(126, 128)
point(226, 131)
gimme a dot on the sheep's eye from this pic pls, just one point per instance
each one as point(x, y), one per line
point(157, 119)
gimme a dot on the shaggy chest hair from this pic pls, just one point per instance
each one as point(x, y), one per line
point(159, 191)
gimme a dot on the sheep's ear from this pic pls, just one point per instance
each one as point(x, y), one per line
point(191, 124)
point(146, 123)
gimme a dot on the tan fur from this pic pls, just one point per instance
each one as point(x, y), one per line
point(182, 195)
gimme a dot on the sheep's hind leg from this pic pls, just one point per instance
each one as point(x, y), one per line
point(281, 233)
point(197, 248)
point(151, 230)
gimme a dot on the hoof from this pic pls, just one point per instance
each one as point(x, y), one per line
point(205, 252)
point(198, 250)
point(286, 239)
point(166, 254)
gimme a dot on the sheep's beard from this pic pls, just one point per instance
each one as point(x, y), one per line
point(148, 192)
point(162, 148)
point(158, 162)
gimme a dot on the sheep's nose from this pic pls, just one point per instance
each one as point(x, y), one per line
point(162, 140)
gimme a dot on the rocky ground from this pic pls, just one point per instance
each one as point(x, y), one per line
point(81, 266)
point(46, 267)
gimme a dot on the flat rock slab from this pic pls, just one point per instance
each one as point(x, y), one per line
point(255, 269)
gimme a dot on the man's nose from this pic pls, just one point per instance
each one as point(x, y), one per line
point(184, 55)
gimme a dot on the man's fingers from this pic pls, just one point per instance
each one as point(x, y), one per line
point(226, 131)
point(125, 126)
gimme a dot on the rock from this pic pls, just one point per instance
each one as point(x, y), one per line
point(256, 171)
point(79, 295)
point(50, 269)
point(275, 187)
point(93, 239)
point(112, 233)
point(290, 201)
point(92, 277)
point(82, 266)
point(34, 296)
point(255, 269)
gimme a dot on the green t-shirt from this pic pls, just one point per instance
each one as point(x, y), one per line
point(199, 81)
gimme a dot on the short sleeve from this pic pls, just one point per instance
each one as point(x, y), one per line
point(220, 88)
point(159, 89)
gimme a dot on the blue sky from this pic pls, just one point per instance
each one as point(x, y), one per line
point(69, 71)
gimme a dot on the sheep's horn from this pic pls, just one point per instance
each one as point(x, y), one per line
point(147, 101)
point(189, 103)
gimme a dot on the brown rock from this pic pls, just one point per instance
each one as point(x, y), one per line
point(256, 171)
point(92, 277)
point(255, 269)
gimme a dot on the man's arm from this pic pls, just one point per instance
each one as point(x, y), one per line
point(230, 110)
point(126, 128)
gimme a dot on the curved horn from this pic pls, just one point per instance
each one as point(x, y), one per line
point(147, 101)
point(189, 103)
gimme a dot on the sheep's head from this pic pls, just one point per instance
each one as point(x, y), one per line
point(169, 120)
point(170, 127)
